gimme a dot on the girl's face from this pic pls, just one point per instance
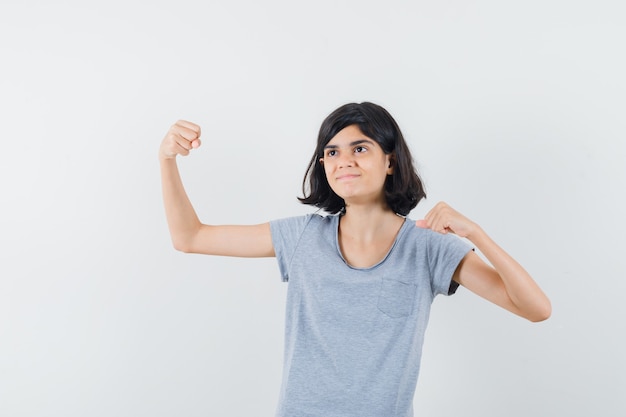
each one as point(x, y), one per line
point(356, 166)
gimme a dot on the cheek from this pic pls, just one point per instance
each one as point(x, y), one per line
point(327, 168)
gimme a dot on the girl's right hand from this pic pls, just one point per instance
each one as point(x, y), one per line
point(179, 140)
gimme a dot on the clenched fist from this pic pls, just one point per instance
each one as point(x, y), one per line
point(179, 140)
point(444, 219)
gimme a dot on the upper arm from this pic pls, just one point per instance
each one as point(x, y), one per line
point(243, 241)
point(482, 279)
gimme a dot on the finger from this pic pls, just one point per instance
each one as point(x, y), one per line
point(429, 217)
point(188, 134)
point(432, 216)
point(196, 143)
point(176, 139)
point(422, 223)
point(180, 150)
point(441, 205)
point(438, 222)
point(190, 126)
point(170, 150)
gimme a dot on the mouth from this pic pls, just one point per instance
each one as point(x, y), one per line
point(346, 177)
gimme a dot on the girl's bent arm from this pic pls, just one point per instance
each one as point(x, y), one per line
point(187, 232)
point(506, 283)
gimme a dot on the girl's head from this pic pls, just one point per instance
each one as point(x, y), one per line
point(403, 188)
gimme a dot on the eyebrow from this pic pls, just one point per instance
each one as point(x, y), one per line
point(356, 142)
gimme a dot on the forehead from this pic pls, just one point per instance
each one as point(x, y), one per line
point(348, 135)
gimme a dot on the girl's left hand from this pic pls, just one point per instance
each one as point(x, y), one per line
point(444, 219)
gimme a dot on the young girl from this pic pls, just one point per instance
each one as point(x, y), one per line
point(362, 277)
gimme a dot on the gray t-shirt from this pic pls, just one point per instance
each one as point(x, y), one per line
point(353, 336)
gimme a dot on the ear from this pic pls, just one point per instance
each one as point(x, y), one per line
point(391, 162)
point(321, 161)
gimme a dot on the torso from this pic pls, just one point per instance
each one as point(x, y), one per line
point(357, 333)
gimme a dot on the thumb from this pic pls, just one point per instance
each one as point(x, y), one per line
point(421, 223)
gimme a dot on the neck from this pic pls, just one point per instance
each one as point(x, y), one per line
point(366, 222)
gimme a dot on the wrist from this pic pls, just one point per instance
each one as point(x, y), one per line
point(476, 234)
point(163, 158)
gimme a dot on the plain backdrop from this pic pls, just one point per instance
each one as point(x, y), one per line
point(515, 113)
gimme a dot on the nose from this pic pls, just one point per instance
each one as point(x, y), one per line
point(346, 159)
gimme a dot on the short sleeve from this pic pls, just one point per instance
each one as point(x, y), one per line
point(445, 252)
point(286, 235)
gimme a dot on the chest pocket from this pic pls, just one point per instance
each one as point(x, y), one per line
point(396, 298)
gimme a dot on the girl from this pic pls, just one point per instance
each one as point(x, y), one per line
point(362, 277)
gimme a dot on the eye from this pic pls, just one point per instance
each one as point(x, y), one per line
point(331, 152)
point(360, 149)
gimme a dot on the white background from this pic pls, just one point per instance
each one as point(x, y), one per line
point(515, 112)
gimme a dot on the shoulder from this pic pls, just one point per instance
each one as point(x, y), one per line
point(411, 231)
point(430, 239)
point(300, 221)
point(301, 233)
point(298, 225)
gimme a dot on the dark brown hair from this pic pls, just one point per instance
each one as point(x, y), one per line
point(403, 189)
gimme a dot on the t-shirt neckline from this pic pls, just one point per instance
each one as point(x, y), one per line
point(380, 262)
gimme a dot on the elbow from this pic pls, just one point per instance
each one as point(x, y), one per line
point(183, 249)
point(182, 245)
point(184, 239)
point(542, 313)
point(539, 317)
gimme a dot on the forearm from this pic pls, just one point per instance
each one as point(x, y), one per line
point(182, 219)
point(520, 287)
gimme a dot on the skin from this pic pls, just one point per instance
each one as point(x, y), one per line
point(356, 168)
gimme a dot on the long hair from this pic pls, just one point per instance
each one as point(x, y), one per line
point(403, 188)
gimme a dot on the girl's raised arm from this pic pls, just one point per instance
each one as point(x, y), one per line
point(187, 232)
